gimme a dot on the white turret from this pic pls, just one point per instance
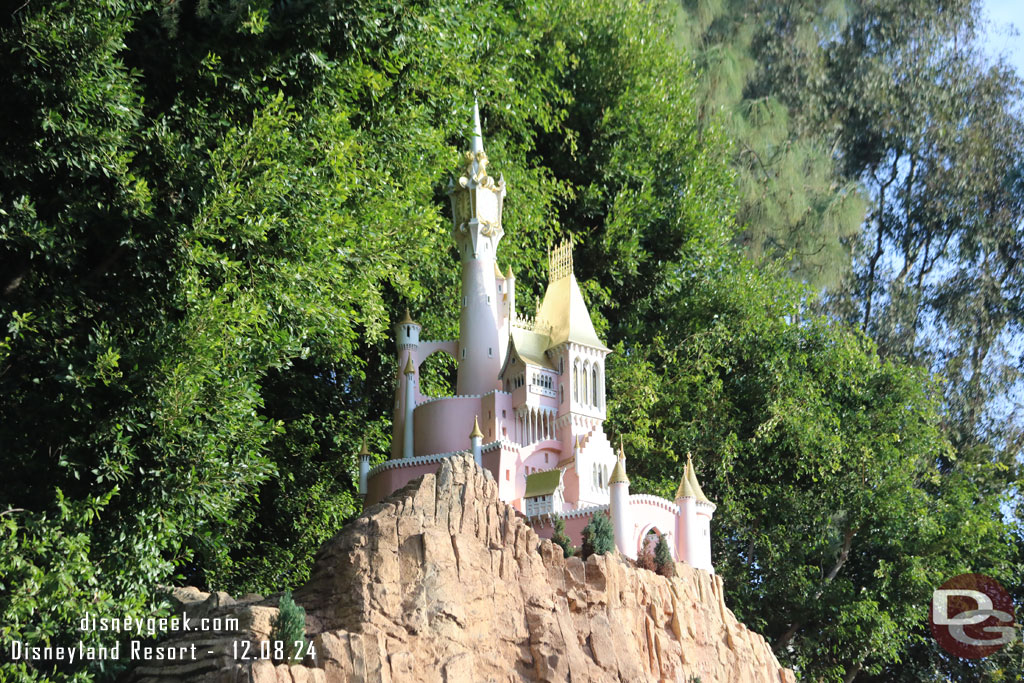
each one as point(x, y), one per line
point(476, 207)
point(407, 334)
point(475, 441)
point(407, 342)
point(622, 521)
point(693, 525)
point(410, 406)
point(364, 467)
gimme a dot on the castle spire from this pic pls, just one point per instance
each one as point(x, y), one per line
point(691, 477)
point(477, 146)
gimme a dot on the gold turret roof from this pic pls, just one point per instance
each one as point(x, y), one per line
point(563, 313)
point(364, 451)
point(497, 271)
point(689, 487)
point(509, 275)
point(407, 319)
point(476, 433)
point(618, 473)
point(410, 369)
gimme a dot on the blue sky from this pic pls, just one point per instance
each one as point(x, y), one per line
point(1003, 37)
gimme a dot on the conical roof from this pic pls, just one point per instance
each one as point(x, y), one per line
point(618, 473)
point(476, 433)
point(410, 369)
point(564, 316)
point(407, 319)
point(689, 486)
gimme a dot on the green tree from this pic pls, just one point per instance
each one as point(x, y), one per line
point(794, 203)
point(560, 538)
point(289, 628)
point(598, 536)
point(663, 558)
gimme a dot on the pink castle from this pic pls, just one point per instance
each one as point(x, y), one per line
point(530, 401)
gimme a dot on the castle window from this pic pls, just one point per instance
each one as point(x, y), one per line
point(561, 365)
point(561, 393)
point(503, 413)
point(594, 385)
point(488, 299)
point(465, 301)
point(507, 475)
point(576, 380)
point(490, 352)
point(586, 371)
point(463, 353)
point(408, 331)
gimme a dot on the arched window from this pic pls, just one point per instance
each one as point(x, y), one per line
point(576, 380)
point(594, 386)
point(586, 371)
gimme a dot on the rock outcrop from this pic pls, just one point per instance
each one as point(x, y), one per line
point(444, 582)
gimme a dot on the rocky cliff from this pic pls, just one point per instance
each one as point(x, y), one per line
point(443, 582)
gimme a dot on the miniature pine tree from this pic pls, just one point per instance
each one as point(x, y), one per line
point(663, 558)
point(561, 539)
point(289, 627)
point(598, 535)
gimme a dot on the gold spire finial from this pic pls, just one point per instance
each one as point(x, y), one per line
point(476, 433)
point(622, 451)
point(410, 369)
point(509, 276)
point(364, 450)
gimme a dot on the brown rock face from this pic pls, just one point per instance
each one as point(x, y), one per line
point(443, 582)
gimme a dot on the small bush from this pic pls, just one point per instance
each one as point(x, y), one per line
point(561, 539)
point(663, 559)
point(289, 627)
point(598, 536)
point(645, 559)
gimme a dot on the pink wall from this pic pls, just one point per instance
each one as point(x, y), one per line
point(443, 426)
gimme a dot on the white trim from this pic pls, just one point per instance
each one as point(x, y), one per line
point(656, 501)
point(401, 463)
point(446, 398)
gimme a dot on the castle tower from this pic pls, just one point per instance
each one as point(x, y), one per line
point(407, 342)
point(476, 207)
point(693, 525)
point(622, 522)
point(364, 467)
point(574, 345)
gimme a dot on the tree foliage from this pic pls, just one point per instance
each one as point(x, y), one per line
point(598, 536)
point(289, 628)
point(210, 213)
point(561, 539)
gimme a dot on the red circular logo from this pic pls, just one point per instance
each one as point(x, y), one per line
point(972, 616)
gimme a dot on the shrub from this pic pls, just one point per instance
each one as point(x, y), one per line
point(289, 627)
point(663, 561)
point(561, 539)
point(598, 536)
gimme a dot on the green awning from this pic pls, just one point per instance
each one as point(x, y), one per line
point(542, 483)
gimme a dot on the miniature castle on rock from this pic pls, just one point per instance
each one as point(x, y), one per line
point(530, 397)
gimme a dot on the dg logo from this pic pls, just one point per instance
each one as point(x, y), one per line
point(972, 616)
